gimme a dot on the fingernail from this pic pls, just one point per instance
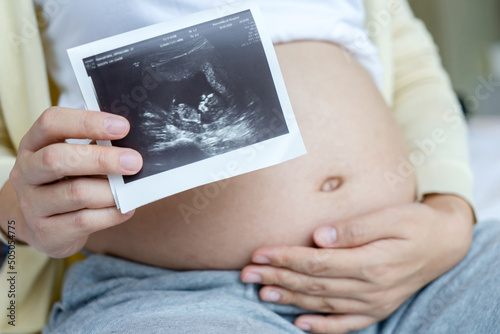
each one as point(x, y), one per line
point(252, 278)
point(304, 326)
point(327, 236)
point(130, 213)
point(116, 126)
point(271, 296)
point(261, 259)
point(130, 161)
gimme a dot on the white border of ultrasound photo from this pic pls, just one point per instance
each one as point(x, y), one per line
point(264, 154)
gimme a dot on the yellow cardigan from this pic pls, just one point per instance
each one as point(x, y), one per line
point(415, 86)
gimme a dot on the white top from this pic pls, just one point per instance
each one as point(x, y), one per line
point(70, 23)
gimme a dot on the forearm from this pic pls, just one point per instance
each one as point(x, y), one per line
point(452, 204)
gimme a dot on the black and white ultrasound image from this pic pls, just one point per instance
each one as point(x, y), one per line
point(190, 94)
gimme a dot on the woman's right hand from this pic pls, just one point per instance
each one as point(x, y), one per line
point(60, 202)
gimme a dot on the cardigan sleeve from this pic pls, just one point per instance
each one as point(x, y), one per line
point(7, 152)
point(23, 93)
point(427, 110)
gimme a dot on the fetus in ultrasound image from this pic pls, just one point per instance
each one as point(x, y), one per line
point(198, 109)
point(200, 97)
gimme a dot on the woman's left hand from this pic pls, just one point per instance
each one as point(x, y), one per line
point(367, 266)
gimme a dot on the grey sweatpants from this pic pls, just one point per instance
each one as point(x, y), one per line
point(108, 295)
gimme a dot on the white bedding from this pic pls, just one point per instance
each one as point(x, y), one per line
point(485, 155)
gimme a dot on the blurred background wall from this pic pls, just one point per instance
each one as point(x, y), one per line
point(467, 33)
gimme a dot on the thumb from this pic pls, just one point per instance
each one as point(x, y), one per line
point(359, 230)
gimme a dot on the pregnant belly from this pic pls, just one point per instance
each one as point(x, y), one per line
point(352, 142)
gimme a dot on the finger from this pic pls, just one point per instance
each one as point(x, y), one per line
point(58, 160)
point(322, 304)
point(314, 286)
point(57, 124)
point(342, 263)
point(73, 195)
point(334, 324)
point(63, 235)
point(78, 224)
point(361, 230)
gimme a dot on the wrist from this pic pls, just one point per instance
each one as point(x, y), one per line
point(454, 221)
point(11, 217)
point(456, 217)
point(452, 205)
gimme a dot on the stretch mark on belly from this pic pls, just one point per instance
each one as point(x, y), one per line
point(331, 184)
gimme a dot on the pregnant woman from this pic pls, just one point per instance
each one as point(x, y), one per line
point(342, 238)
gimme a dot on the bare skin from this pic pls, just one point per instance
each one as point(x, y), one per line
point(272, 218)
point(351, 139)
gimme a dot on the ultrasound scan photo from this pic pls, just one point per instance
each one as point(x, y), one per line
point(191, 94)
